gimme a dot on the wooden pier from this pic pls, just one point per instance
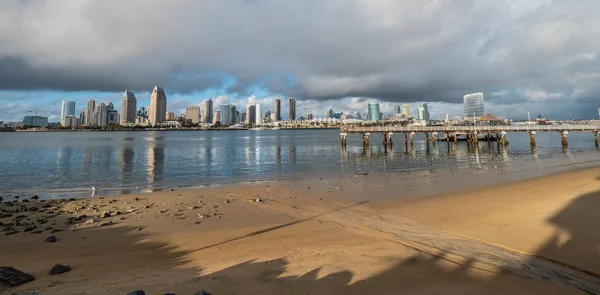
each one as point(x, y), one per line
point(473, 134)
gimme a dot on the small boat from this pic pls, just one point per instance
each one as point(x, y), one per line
point(257, 128)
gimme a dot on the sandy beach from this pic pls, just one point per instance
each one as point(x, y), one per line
point(535, 236)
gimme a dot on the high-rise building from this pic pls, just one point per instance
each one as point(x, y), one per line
point(128, 107)
point(250, 114)
point(112, 117)
point(216, 117)
point(192, 113)
point(329, 114)
point(397, 109)
point(292, 109)
point(101, 115)
point(158, 106)
point(207, 113)
point(424, 113)
point(406, 110)
point(82, 116)
point(68, 109)
point(473, 106)
point(374, 114)
point(91, 108)
point(309, 116)
point(71, 121)
point(228, 114)
point(277, 110)
point(357, 115)
point(258, 111)
point(169, 116)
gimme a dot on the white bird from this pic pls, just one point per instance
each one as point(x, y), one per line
point(495, 167)
point(94, 189)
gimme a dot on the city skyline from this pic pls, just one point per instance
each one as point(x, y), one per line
point(552, 74)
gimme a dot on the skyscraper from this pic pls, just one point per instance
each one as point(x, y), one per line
point(91, 108)
point(250, 114)
point(374, 114)
point(101, 115)
point(128, 107)
point(292, 109)
point(192, 113)
point(258, 110)
point(397, 109)
point(473, 106)
point(309, 116)
point(216, 117)
point(158, 106)
point(68, 109)
point(277, 110)
point(82, 116)
point(424, 113)
point(329, 113)
point(207, 113)
point(226, 114)
point(406, 110)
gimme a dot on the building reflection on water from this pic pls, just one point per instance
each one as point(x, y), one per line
point(126, 165)
point(155, 157)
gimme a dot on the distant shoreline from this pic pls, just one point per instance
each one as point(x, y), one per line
point(138, 130)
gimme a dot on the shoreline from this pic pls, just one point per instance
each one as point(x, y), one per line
point(292, 237)
point(170, 129)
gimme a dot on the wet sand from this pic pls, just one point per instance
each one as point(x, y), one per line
point(537, 236)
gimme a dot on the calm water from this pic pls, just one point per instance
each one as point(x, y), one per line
point(70, 163)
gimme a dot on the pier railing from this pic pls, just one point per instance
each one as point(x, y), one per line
point(471, 129)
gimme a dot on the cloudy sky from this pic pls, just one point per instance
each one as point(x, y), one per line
point(539, 56)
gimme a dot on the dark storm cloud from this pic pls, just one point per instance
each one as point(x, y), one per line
point(397, 51)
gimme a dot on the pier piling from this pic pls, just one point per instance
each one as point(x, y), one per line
point(563, 138)
point(343, 136)
point(412, 134)
point(366, 139)
point(596, 139)
point(532, 138)
point(388, 138)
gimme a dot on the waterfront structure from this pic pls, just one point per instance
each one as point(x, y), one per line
point(423, 113)
point(250, 114)
point(91, 108)
point(35, 121)
point(397, 109)
point(473, 106)
point(207, 115)
point(292, 111)
point(374, 114)
point(169, 116)
point(100, 115)
point(192, 113)
point(67, 109)
point(277, 110)
point(128, 107)
point(216, 117)
point(309, 116)
point(70, 121)
point(158, 106)
point(472, 134)
point(406, 110)
point(258, 113)
point(82, 116)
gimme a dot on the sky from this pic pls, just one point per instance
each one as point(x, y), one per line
point(537, 56)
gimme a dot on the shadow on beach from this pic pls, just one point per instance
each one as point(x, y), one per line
point(118, 259)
